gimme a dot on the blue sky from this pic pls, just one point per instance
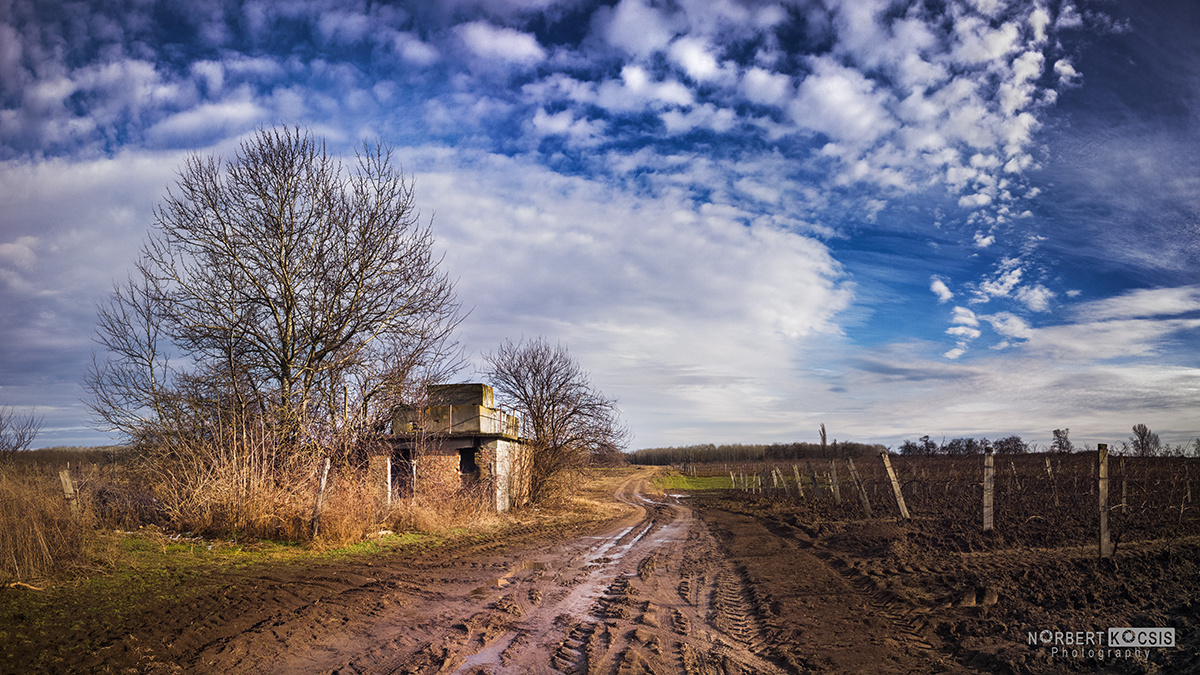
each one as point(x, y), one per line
point(745, 219)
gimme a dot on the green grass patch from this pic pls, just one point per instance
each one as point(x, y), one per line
point(678, 481)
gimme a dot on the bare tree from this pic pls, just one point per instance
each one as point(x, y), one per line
point(566, 419)
point(1062, 441)
point(1143, 442)
point(17, 431)
point(1011, 445)
point(280, 289)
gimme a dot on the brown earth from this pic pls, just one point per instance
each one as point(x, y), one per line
point(720, 582)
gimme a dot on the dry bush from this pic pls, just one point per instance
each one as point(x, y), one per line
point(38, 535)
point(429, 514)
point(350, 510)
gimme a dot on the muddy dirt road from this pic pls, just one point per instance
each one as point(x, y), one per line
point(661, 591)
point(715, 582)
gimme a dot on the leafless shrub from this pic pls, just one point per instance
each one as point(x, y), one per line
point(17, 432)
point(565, 418)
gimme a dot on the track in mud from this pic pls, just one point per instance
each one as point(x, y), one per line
point(656, 595)
point(667, 591)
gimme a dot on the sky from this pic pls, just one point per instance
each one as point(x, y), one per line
point(744, 219)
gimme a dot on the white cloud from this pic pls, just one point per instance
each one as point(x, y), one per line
point(212, 73)
point(1039, 20)
point(412, 49)
point(1003, 284)
point(199, 124)
point(565, 123)
point(705, 116)
point(979, 43)
point(1066, 72)
point(1036, 297)
point(1112, 339)
point(346, 27)
point(984, 241)
point(763, 86)
point(940, 289)
point(965, 317)
point(965, 332)
point(1143, 303)
point(841, 103)
point(19, 253)
point(637, 89)
point(1009, 325)
point(695, 56)
point(672, 306)
point(636, 28)
point(500, 43)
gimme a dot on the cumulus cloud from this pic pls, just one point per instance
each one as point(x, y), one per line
point(841, 103)
point(564, 123)
point(765, 87)
point(965, 317)
point(487, 41)
point(1036, 297)
point(636, 28)
point(695, 57)
point(412, 49)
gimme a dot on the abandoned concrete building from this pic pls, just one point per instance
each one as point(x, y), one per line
point(460, 441)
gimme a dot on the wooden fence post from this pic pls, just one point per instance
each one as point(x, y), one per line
point(1053, 485)
point(817, 491)
point(799, 484)
point(1102, 487)
point(1124, 489)
point(64, 476)
point(833, 482)
point(862, 491)
point(316, 519)
point(887, 465)
point(989, 484)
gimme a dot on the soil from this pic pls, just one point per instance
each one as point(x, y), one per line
point(717, 582)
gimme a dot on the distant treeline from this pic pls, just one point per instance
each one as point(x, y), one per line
point(74, 454)
point(1009, 445)
point(709, 453)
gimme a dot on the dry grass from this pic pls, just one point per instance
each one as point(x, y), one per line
point(39, 537)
